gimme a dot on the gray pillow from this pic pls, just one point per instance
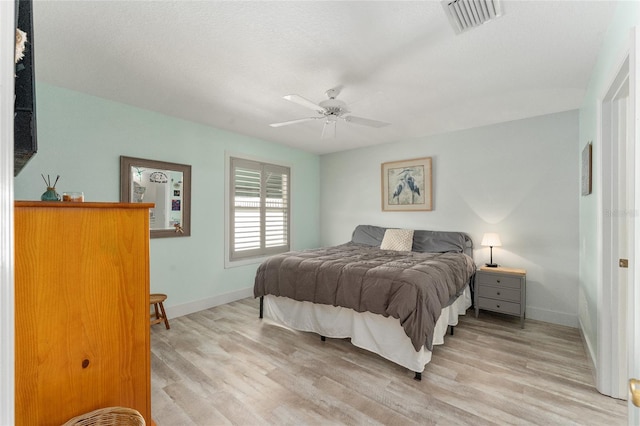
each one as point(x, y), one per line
point(439, 242)
point(368, 234)
point(423, 241)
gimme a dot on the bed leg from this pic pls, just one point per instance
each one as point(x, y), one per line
point(452, 328)
point(261, 306)
point(323, 338)
point(418, 376)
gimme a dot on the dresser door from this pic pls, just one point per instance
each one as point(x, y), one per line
point(82, 312)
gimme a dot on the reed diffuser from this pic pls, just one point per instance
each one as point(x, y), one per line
point(50, 194)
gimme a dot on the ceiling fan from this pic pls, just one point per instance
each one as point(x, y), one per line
point(330, 111)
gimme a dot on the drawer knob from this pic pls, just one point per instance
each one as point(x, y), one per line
point(497, 281)
point(497, 306)
point(498, 293)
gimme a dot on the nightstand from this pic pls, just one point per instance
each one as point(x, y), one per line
point(501, 290)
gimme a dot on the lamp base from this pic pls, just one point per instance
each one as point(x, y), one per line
point(491, 265)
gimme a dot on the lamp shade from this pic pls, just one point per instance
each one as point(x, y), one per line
point(491, 239)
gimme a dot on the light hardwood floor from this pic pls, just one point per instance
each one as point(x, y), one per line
point(225, 366)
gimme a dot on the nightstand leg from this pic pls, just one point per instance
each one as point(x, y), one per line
point(477, 311)
point(522, 321)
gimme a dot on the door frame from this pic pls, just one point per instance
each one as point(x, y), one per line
point(633, 300)
point(611, 341)
point(7, 69)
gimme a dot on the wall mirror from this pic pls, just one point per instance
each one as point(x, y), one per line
point(167, 185)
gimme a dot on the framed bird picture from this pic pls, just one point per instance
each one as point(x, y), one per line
point(406, 185)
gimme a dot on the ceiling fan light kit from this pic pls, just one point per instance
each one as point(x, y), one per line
point(329, 110)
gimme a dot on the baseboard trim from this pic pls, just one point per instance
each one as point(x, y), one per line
point(554, 317)
point(202, 304)
point(589, 350)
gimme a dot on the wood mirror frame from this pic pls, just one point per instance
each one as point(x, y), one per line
point(182, 199)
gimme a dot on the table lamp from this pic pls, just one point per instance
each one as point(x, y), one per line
point(492, 240)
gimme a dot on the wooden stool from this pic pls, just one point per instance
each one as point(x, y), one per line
point(161, 316)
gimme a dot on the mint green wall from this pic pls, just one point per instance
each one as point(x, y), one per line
point(615, 44)
point(81, 138)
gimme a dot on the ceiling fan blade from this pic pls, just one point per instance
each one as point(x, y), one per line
point(300, 120)
point(304, 102)
point(365, 121)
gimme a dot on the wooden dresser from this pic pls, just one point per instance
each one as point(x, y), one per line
point(82, 309)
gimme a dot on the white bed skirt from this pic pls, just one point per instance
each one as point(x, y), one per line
point(376, 333)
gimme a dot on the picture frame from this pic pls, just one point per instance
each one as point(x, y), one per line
point(167, 185)
point(586, 175)
point(407, 185)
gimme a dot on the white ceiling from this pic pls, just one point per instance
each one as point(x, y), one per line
point(227, 64)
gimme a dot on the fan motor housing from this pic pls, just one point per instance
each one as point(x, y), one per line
point(334, 107)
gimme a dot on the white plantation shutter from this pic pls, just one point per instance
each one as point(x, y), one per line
point(276, 221)
point(259, 209)
point(246, 217)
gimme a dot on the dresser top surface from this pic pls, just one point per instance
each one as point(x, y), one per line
point(504, 270)
point(92, 205)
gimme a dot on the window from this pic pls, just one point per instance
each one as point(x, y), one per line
point(259, 207)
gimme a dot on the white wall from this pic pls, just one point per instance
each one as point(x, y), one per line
point(520, 179)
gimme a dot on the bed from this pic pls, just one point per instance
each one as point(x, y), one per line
point(396, 302)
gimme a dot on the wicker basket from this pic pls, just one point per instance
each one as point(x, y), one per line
point(110, 416)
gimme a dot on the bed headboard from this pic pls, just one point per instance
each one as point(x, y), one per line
point(423, 241)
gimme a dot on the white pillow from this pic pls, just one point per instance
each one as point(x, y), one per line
point(397, 239)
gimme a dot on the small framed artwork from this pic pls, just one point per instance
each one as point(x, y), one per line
point(586, 169)
point(406, 185)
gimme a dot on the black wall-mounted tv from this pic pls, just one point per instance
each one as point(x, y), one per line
point(24, 125)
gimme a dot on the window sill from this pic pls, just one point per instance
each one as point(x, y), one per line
point(228, 264)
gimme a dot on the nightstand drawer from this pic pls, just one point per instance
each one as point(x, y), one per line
point(499, 293)
point(499, 280)
point(499, 306)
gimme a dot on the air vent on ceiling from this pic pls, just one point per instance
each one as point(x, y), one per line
point(466, 14)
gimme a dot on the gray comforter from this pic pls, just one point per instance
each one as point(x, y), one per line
point(412, 287)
